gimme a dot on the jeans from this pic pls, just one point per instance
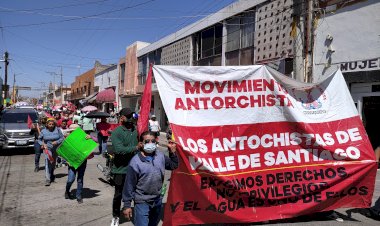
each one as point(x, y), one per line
point(148, 214)
point(71, 178)
point(37, 154)
point(376, 207)
point(102, 143)
point(119, 180)
point(50, 166)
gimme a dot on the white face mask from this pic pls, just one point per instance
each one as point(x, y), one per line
point(150, 148)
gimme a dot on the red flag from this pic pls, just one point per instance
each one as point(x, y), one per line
point(142, 123)
point(49, 155)
point(30, 122)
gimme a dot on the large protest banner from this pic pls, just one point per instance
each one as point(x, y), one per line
point(256, 145)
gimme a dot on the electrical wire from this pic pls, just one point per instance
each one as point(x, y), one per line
point(79, 18)
point(50, 8)
point(59, 51)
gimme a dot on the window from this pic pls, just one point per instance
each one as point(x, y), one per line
point(122, 75)
point(18, 117)
point(233, 34)
point(207, 42)
point(211, 41)
point(142, 70)
point(247, 29)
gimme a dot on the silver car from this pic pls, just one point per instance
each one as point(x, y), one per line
point(14, 128)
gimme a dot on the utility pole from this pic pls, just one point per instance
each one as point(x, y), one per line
point(14, 92)
point(309, 41)
point(61, 87)
point(6, 55)
point(298, 44)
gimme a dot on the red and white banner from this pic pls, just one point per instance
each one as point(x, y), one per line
point(256, 145)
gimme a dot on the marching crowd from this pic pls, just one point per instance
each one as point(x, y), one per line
point(138, 167)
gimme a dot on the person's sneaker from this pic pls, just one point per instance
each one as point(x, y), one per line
point(374, 214)
point(334, 216)
point(115, 221)
point(80, 200)
point(339, 219)
point(36, 169)
point(68, 195)
point(47, 183)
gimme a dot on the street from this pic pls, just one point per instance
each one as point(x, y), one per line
point(24, 199)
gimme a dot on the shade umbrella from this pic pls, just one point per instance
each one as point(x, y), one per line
point(57, 108)
point(89, 108)
point(97, 114)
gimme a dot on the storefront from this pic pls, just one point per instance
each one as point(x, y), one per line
point(365, 91)
point(106, 100)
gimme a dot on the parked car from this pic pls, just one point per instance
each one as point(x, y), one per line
point(14, 131)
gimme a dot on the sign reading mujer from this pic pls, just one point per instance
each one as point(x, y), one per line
point(256, 145)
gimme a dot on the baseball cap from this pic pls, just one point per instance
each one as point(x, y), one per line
point(125, 112)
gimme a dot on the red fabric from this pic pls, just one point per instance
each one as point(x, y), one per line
point(142, 123)
point(48, 115)
point(103, 128)
point(114, 126)
point(107, 95)
point(252, 172)
point(30, 122)
point(49, 155)
point(69, 122)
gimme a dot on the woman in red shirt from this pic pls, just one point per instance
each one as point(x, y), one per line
point(103, 127)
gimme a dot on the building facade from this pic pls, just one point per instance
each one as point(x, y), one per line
point(243, 33)
point(129, 77)
point(107, 83)
point(82, 87)
point(347, 37)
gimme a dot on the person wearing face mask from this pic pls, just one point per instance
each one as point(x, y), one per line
point(124, 146)
point(144, 181)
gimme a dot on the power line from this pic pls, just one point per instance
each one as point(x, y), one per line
point(59, 51)
point(49, 8)
point(78, 18)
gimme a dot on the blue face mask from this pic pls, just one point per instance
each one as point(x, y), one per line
point(150, 147)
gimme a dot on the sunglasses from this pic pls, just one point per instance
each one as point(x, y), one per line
point(150, 141)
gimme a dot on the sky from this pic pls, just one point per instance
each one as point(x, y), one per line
point(43, 36)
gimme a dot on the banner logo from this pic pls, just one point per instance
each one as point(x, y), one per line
point(313, 103)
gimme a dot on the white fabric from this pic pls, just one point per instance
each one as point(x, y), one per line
point(171, 79)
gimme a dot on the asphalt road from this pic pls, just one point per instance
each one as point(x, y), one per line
point(24, 199)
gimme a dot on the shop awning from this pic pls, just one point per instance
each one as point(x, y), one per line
point(107, 95)
point(89, 99)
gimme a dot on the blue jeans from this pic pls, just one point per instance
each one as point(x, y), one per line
point(50, 166)
point(37, 154)
point(71, 178)
point(376, 207)
point(102, 143)
point(147, 214)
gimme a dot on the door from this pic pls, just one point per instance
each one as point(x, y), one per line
point(371, 118)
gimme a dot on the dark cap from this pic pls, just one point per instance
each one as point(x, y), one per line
point(125, 112)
